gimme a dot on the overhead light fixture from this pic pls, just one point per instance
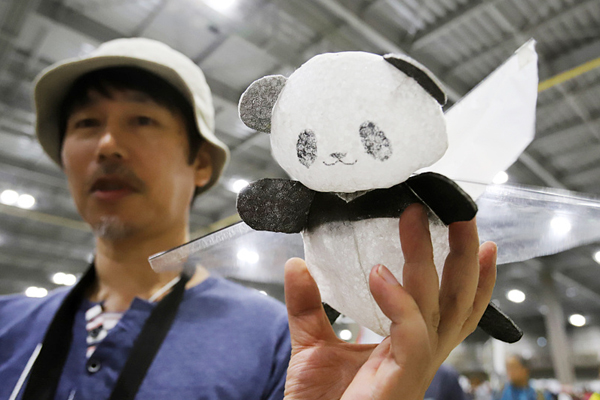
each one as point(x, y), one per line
point(221, 5)
point(9, 197)
point(238, 185)
point(249, 256)
point(60, 278)
point(597, 256)
point(13, 198)
point(516, 296)
point(34, 291)
point(577, 320)
point(560, 225)
point(500, 178)
point(345, 334)
point(26, 201)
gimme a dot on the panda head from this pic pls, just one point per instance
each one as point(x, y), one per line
point(350, 121)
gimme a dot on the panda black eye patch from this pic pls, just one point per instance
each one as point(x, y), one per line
point(306, 147)
point(375, 142)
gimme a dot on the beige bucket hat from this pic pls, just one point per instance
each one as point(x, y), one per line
point(53, 83)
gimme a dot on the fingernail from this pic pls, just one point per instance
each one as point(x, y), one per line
point(386, 275)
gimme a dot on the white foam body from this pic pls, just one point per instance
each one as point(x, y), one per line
point(333, 94)
point(340, 256)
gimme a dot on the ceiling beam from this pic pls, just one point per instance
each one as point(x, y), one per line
point(574, 58)
point(37, 216)
point(58, 12)
point(11, 24)
point(510, 39)
point(441, 27)
point(78, 22)
point(540, 171)
point(379, 40)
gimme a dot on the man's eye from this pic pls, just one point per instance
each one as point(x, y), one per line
point(141, 120)
point(86, 123)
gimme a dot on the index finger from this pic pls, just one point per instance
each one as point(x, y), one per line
point(307, 319)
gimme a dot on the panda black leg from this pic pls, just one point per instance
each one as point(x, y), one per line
point(332, 314)
point(498, 325)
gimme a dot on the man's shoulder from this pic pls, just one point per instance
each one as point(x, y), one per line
point(17, 308)
point(233, 299)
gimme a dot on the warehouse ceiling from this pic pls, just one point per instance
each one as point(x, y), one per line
point(238, 41)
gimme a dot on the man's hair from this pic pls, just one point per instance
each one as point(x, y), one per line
point(131, 78)
point(522, 360)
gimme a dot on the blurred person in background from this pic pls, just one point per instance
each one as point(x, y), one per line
point(480, 387)
point(518, 386)
point(445, 385)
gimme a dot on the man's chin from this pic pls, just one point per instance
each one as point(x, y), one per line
point(112, 228)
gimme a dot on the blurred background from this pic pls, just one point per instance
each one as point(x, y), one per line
point(555, 299)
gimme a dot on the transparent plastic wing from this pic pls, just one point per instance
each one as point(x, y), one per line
point(236, 251)
point(525, 222)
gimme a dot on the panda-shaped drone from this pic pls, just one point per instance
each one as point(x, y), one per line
point(352, 128)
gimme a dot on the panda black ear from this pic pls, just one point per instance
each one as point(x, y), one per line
point(256, 104)
point(419, 73)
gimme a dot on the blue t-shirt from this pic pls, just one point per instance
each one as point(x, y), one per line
point(511, 392)
point(226, 342)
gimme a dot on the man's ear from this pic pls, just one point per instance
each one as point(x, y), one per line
point(203, 165)
point(256, 104)
point(419, 73)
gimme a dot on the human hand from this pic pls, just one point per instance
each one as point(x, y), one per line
point(428, 320)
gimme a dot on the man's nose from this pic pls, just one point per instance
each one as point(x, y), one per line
point(110, 144)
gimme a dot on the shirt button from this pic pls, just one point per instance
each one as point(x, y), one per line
point(93, 366)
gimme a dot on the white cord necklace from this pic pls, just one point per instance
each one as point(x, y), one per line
point(164, 289)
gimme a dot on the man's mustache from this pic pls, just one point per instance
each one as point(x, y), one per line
point(116, 172)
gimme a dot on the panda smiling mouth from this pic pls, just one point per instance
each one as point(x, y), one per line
point(339, 161)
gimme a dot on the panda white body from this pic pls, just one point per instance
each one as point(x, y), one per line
point(346, 252)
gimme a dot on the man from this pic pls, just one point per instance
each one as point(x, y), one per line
point(123, 123)
point(518, 386)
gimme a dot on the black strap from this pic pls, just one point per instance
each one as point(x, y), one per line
point(148, 342)
point(46, 371)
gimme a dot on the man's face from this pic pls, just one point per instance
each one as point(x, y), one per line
point(125, 158)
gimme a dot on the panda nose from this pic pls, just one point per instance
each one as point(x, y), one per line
point(339, 156)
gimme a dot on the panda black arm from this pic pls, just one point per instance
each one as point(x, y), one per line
point(447, 200)
point(277, 205)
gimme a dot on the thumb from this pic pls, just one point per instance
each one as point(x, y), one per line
point(307, 318)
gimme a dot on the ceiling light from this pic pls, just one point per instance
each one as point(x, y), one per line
point(60, 278)
point(345, 334)
point(516, 296)
point(248, 256)
point(542, 341)
point(34, 291)
point(577, 320)
point(560, 225)
point(26, 201)
point(500, 178)
point(9, 197)
point(239, 185)
point(221, 5)
point(597, 256)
